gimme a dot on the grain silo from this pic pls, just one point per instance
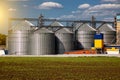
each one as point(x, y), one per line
point(56, 23)
point(55, 26)
point(42, 42)
point(64, 40)
point(76, 26)
point(85, 36)
point(18, 38)
point(109, 33)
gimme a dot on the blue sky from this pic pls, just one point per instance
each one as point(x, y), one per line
point(63, 9)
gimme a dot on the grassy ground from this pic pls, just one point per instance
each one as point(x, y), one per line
point(80, 68)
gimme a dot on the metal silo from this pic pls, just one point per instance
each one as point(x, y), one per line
point(109, 33)
point(76, 26)
point(55, 26)
point(56, 23)
point(18, 40)
point(64, 40)
point(42, 42)
point(70, 28)
point(84, 36)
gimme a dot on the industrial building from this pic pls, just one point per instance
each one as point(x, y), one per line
point(76, 37)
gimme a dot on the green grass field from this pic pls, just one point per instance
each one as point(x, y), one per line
point(70, 68)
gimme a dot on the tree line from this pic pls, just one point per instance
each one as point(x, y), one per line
point(2, 39)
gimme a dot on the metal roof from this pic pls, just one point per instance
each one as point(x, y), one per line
point(63, 30)
point(106, 27)
point(56, 23)
point(86, 27)
point(77, 26)
point(43, 30)
point(24, 25)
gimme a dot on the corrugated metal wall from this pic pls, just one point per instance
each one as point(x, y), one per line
point(42, 42)
point(18, 42)
point(109, 33)
point(84, 36)
point(64, 41)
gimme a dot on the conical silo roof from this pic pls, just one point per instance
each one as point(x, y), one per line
point(106, 27)
point(77, 26)
point(56, 23)
point(43, 30)
point(86, 27)
point(24, 25)
point(63, 30)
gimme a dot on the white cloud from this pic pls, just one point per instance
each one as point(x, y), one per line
point(50, 5)
point(109, 0)
point(11, 9)
point(66, 17)
point(108, 19)
point(75, 12)
point(101, 12)
point(105, 6)
point(18, 0)
point(98, 13)
point(83, 6)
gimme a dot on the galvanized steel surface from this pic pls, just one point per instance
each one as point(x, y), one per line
point(18, 42)
point(85, 39)
point(85, 27)
point(42, 42)
point(55, 26)
point(70, 28)
point(64, 40)
point(23, 25)
point(85, 36)
point(56, 23)
point(76, 27)
point(106, 27)
point(109, 37)
point(109, 33)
